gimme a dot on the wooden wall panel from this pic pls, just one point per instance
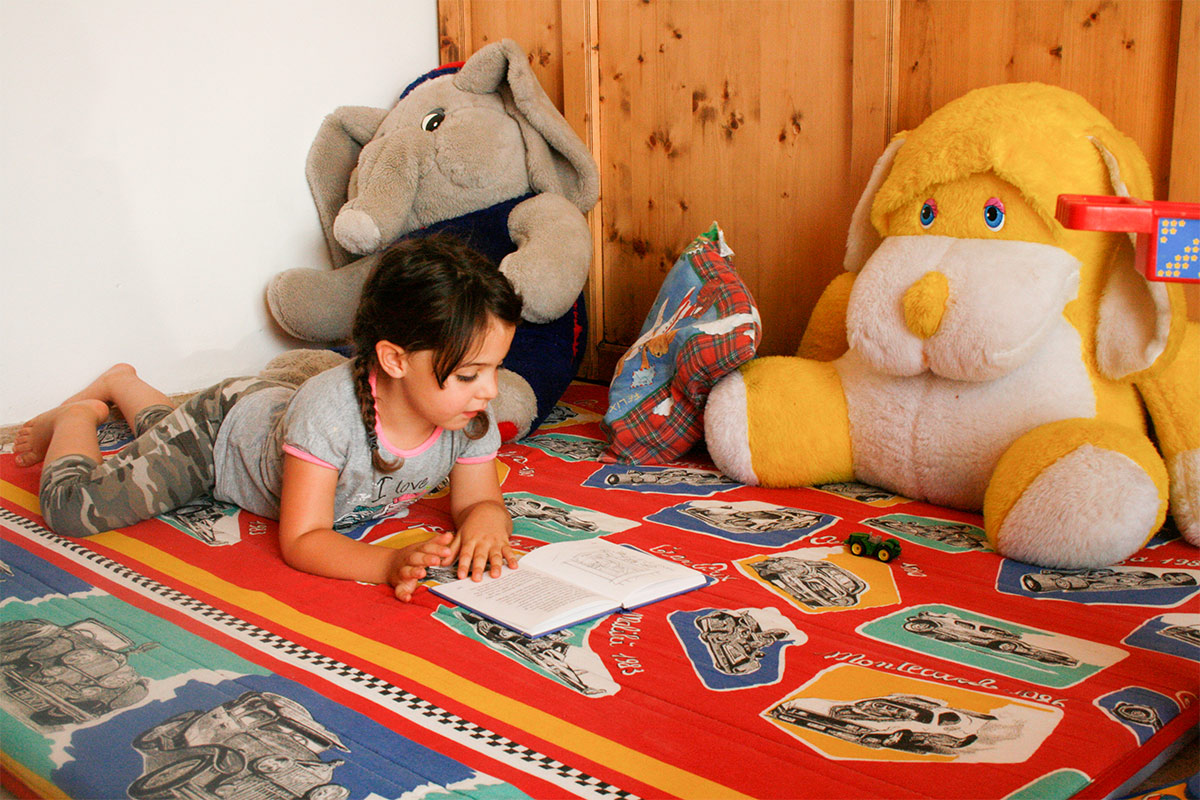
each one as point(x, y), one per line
point(1120, 55)
point(536, 24)
point(729, 111)
point(767, 115)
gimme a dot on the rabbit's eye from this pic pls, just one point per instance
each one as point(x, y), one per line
point(993, 214)
point(433, 119)
point(928, 212)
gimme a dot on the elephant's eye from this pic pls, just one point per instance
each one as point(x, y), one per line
point(433, 119)
point(928, 213)
point(993, 214)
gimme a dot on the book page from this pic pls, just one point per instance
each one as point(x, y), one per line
point(526, 599)
point(628, 576)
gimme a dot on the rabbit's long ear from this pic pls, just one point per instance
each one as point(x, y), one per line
point(863, 238)
point(556, 158)
point(1140, 321)
point(332, 159)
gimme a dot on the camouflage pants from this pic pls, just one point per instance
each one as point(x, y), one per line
point(169, 464)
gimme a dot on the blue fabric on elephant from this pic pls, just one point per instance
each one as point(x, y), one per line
point(547, 355)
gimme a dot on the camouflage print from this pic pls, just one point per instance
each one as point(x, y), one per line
point(169, 464)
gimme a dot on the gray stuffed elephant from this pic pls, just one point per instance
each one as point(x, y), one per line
point(480, 152)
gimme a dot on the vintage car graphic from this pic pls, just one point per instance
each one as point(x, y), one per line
point(546, 521)
point(1005, 647)
point(564, 414)
point(1128, 585)
point(735, 648)
point(1105, 579)
point(735, 641)
point(661, 480)
point(812, 582)
point(943, 534)
point(113, 435)
point(746, 521)
point(542, 511)
point(569, 448)
point(1138, 714)
point(909, 723)
point(553, 653)
point(1188, 634)
point(955, 629)
point(861, 492)
point(55, 675)
point(260, 745)
point(1142, 711)
point(211, 521)
point(730, 518)
point(1175, 633)
point(855, 712)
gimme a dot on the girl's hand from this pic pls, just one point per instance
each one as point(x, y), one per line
point(308, 542)
point(481, 543)
point(483, 523)
point(409, 563)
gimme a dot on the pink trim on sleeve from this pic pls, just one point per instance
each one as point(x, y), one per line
point(477, 459)
point(309, 457)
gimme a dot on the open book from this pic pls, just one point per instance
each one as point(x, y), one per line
point(562, 584)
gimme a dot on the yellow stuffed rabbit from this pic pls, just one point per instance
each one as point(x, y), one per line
point(979, 355)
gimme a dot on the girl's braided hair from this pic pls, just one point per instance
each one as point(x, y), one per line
point(431, 293)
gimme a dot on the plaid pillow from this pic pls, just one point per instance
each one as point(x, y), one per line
point(702, 326)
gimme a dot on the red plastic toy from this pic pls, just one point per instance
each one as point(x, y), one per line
point(1168, 234)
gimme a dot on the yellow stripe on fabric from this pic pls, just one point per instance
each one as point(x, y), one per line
point(17, 495)
point(34, 782)
point(639, 766)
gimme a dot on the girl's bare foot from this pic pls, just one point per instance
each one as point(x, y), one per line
point(118, 385)
point(33, 438)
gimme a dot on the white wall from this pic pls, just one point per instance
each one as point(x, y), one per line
point(152, 175)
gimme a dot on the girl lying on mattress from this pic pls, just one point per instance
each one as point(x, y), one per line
point(362, 440)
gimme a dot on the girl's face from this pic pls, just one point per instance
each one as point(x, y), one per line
point(468, 389)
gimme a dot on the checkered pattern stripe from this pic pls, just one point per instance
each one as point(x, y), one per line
point(644, 437)
point(377, 686)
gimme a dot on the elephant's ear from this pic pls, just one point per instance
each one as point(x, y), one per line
point(557, 160)
point(331, 161)
point(863, 238)
point(1140, 321)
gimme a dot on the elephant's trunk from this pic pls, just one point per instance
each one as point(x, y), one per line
point(379, 213)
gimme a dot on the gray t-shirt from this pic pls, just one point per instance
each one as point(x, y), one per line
point(320, 422)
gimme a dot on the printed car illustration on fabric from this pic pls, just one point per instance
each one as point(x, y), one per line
point(550, 653)
point(861, 492)
point(728, 517)
point(1138, 714)
point(952, 628)
point(539, 510)
point(1102, 580)
point(667, 476)
point(571, 448)
point(815, 583)
point(55, 675)
point(957, 535)
point(1189, 634)
point(909, 723)
point(260, 745)
point(211, 521)
point(736, 641)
